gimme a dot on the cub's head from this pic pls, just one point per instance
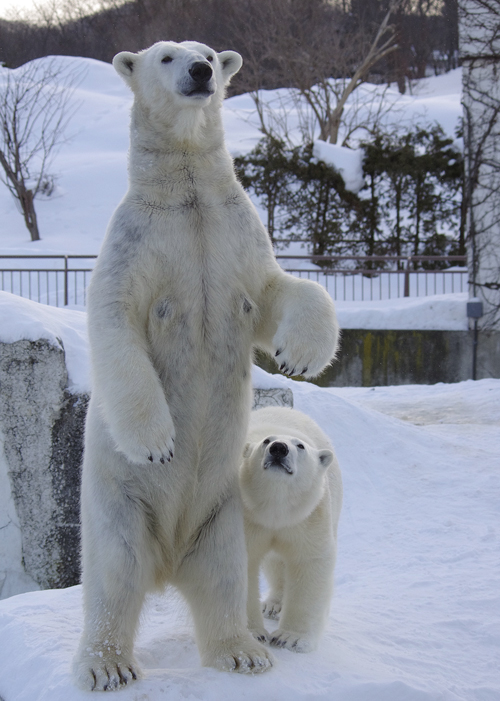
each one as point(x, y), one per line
point(282, 480)
point(188, 74)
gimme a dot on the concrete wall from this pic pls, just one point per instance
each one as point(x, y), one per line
point(371, 358)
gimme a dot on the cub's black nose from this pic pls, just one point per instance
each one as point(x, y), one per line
point(200, 72)
point(278, 450)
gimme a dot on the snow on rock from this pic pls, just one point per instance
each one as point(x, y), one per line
point(415, 614)
point(22, 319)
point(348, 162)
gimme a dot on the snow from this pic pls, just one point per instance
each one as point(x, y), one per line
point(91, 170)
point(416, 611)
point(446, 312)
point(348, 162)
point(67, 328)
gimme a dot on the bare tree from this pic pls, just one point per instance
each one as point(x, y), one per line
point(34, 111)
point(313, 46)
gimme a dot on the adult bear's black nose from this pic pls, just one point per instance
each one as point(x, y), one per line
point(278, 450)
point(200, 72)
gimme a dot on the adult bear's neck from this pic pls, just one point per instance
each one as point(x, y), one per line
point(157, 159)
point(188, 130)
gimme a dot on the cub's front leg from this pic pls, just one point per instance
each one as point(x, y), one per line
point(308, 590)
point(298, 325)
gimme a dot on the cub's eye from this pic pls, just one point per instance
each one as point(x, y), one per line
point(167, 59)
point(266, 442)
point(210, 58)
point(300, 446)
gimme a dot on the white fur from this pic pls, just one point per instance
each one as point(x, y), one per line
point(185, 284)
point(292, 507)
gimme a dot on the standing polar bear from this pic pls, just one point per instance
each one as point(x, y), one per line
point(292, 493)
point(185, 285)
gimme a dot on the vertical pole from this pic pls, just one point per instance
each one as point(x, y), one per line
point(407, 278)
point(65, 281)
point(474, 351)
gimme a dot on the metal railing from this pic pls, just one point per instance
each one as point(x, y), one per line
point(57, 279)
point(49, 279)
point(356, 278)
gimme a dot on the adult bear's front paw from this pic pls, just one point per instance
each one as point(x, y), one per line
point(302, 354)
point(147, 436)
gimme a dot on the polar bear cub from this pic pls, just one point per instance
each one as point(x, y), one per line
point(292, 493)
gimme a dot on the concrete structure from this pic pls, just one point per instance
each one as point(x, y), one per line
point(370, 358)
point(479, 36)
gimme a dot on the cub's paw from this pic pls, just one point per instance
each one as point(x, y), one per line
point(95, 670)
point(242, 654)
point(149, 438)
point(297, 642)
point(260, 634)
point(271, 608)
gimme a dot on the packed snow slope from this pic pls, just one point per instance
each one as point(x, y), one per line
point(416, 611)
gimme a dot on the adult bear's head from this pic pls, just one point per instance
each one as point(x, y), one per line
point(186, 76)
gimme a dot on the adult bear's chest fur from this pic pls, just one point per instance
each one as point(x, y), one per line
point(202, 274)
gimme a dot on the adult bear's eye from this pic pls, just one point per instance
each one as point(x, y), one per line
point(210, 58)
point(266, 442)
point(300, 446)
point(167, 59)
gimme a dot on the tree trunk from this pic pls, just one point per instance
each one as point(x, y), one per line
point(26, 199)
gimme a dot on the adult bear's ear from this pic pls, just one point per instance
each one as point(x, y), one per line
point(325, 457)
point(124, 65)
point(230, 63)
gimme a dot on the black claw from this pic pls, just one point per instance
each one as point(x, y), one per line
point(171, 455)
point(150, 458)
point(283, 365)
point(162, 460)
point(305, 370)
point(278, 352)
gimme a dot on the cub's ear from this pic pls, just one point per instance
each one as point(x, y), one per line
point(247, 450)
point(325, 457)
point(124, 64)
point(230, 63)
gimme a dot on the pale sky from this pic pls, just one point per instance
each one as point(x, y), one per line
point(6, 5)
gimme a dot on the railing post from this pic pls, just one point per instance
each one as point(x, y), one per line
point(65, 281)
point(407, 278)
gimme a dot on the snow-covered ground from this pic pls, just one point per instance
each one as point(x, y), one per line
point(416, 612)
